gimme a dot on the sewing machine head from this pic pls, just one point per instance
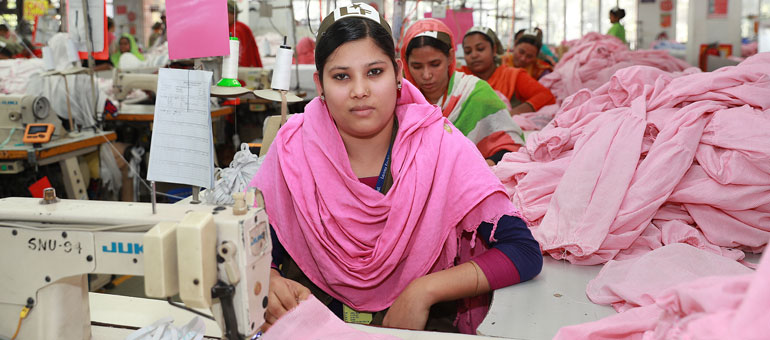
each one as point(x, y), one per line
point(125, 82)
point(212, 258)
point(16, 111)
point(256, 78)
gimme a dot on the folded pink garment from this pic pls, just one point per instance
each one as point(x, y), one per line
point(311, 320)
point(713, 307)
point(648, 159)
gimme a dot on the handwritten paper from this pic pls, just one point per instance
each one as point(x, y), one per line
point(197, 28)
point(182, 146)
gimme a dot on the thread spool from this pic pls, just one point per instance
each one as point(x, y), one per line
point(72, 51)
point(48, 62)
point(230, 65)
point(282, 71)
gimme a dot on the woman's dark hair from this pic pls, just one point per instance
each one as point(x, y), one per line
point(351, 29)
point(6, 52)
point(534, 40)
point(486, 37)
point(423, 41)
point(618, 13)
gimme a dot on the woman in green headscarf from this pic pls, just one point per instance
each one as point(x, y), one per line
point(126, 44)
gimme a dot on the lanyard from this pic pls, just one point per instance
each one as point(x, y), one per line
point(384, 170)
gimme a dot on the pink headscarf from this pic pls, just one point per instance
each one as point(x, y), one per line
point(357, 245)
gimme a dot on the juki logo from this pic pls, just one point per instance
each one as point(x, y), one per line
point(124, 248)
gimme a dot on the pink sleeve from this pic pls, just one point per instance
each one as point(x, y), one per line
point(498, 268)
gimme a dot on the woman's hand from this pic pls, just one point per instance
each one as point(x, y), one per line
point(284, 295)
point(522, 108)
point(411, 308)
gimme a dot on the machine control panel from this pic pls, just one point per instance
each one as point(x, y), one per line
point(38, 133)
point(10, 168)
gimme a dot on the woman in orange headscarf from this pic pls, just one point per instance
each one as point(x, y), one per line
point(523, 92)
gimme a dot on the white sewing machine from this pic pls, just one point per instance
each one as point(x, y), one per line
point(256, 78)
point(125, 82)
point(16, 111)
point(211, 256)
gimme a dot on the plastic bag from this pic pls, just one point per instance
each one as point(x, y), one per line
point(164, 329)
point(234, 178)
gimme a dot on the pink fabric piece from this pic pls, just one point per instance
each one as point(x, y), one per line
point(197, 28)
point(733, 306)
point(312, 320)
point(499, 270)
point(458, 21)
point(635, 282)
point(364, 248)
point(645, 148)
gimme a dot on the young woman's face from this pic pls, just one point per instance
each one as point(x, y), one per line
point(430, 70)
point(479, 54)
point(524, 54)
point(124, 45)
point(359, 86)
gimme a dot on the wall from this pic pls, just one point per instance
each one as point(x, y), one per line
point(704, 30)
point(132, 16)
point(649, 21)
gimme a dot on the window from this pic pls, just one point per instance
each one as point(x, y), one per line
point(682, 8)
point(574, 31)
point(555, 28)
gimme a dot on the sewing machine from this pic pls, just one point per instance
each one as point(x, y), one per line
point(125, 82)
point(16, 111)
point(256, 78)
point(214, 258)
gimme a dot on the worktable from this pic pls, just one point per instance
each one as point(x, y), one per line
point(63, 149)
point(145, 113)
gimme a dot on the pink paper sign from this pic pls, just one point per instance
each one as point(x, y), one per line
point(459, 21)
point(197, 28)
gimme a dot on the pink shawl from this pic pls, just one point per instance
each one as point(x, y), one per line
point(357, 245)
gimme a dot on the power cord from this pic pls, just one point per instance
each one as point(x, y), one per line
point(181, 306)
point(22, 316)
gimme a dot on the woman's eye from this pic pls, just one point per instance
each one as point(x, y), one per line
point(340, 76)
point(374, 72)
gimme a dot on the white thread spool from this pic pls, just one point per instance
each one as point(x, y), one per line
point(48, 62)
point(230, 62)
point(72, 51)
point(282, 72)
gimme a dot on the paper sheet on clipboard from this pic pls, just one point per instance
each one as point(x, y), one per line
point(182, 147)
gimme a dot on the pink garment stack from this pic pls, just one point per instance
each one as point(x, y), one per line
point(594, 58)
point(679, 292)
point(648, 159)
point(589, 64)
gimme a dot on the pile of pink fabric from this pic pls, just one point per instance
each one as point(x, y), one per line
point(594, 58)
point(679, 292)
point(648, 159)
point(589, 63)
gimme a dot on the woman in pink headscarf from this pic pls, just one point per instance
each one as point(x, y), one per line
point(380, 207)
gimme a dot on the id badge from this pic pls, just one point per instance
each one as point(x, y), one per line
point(352, 316)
